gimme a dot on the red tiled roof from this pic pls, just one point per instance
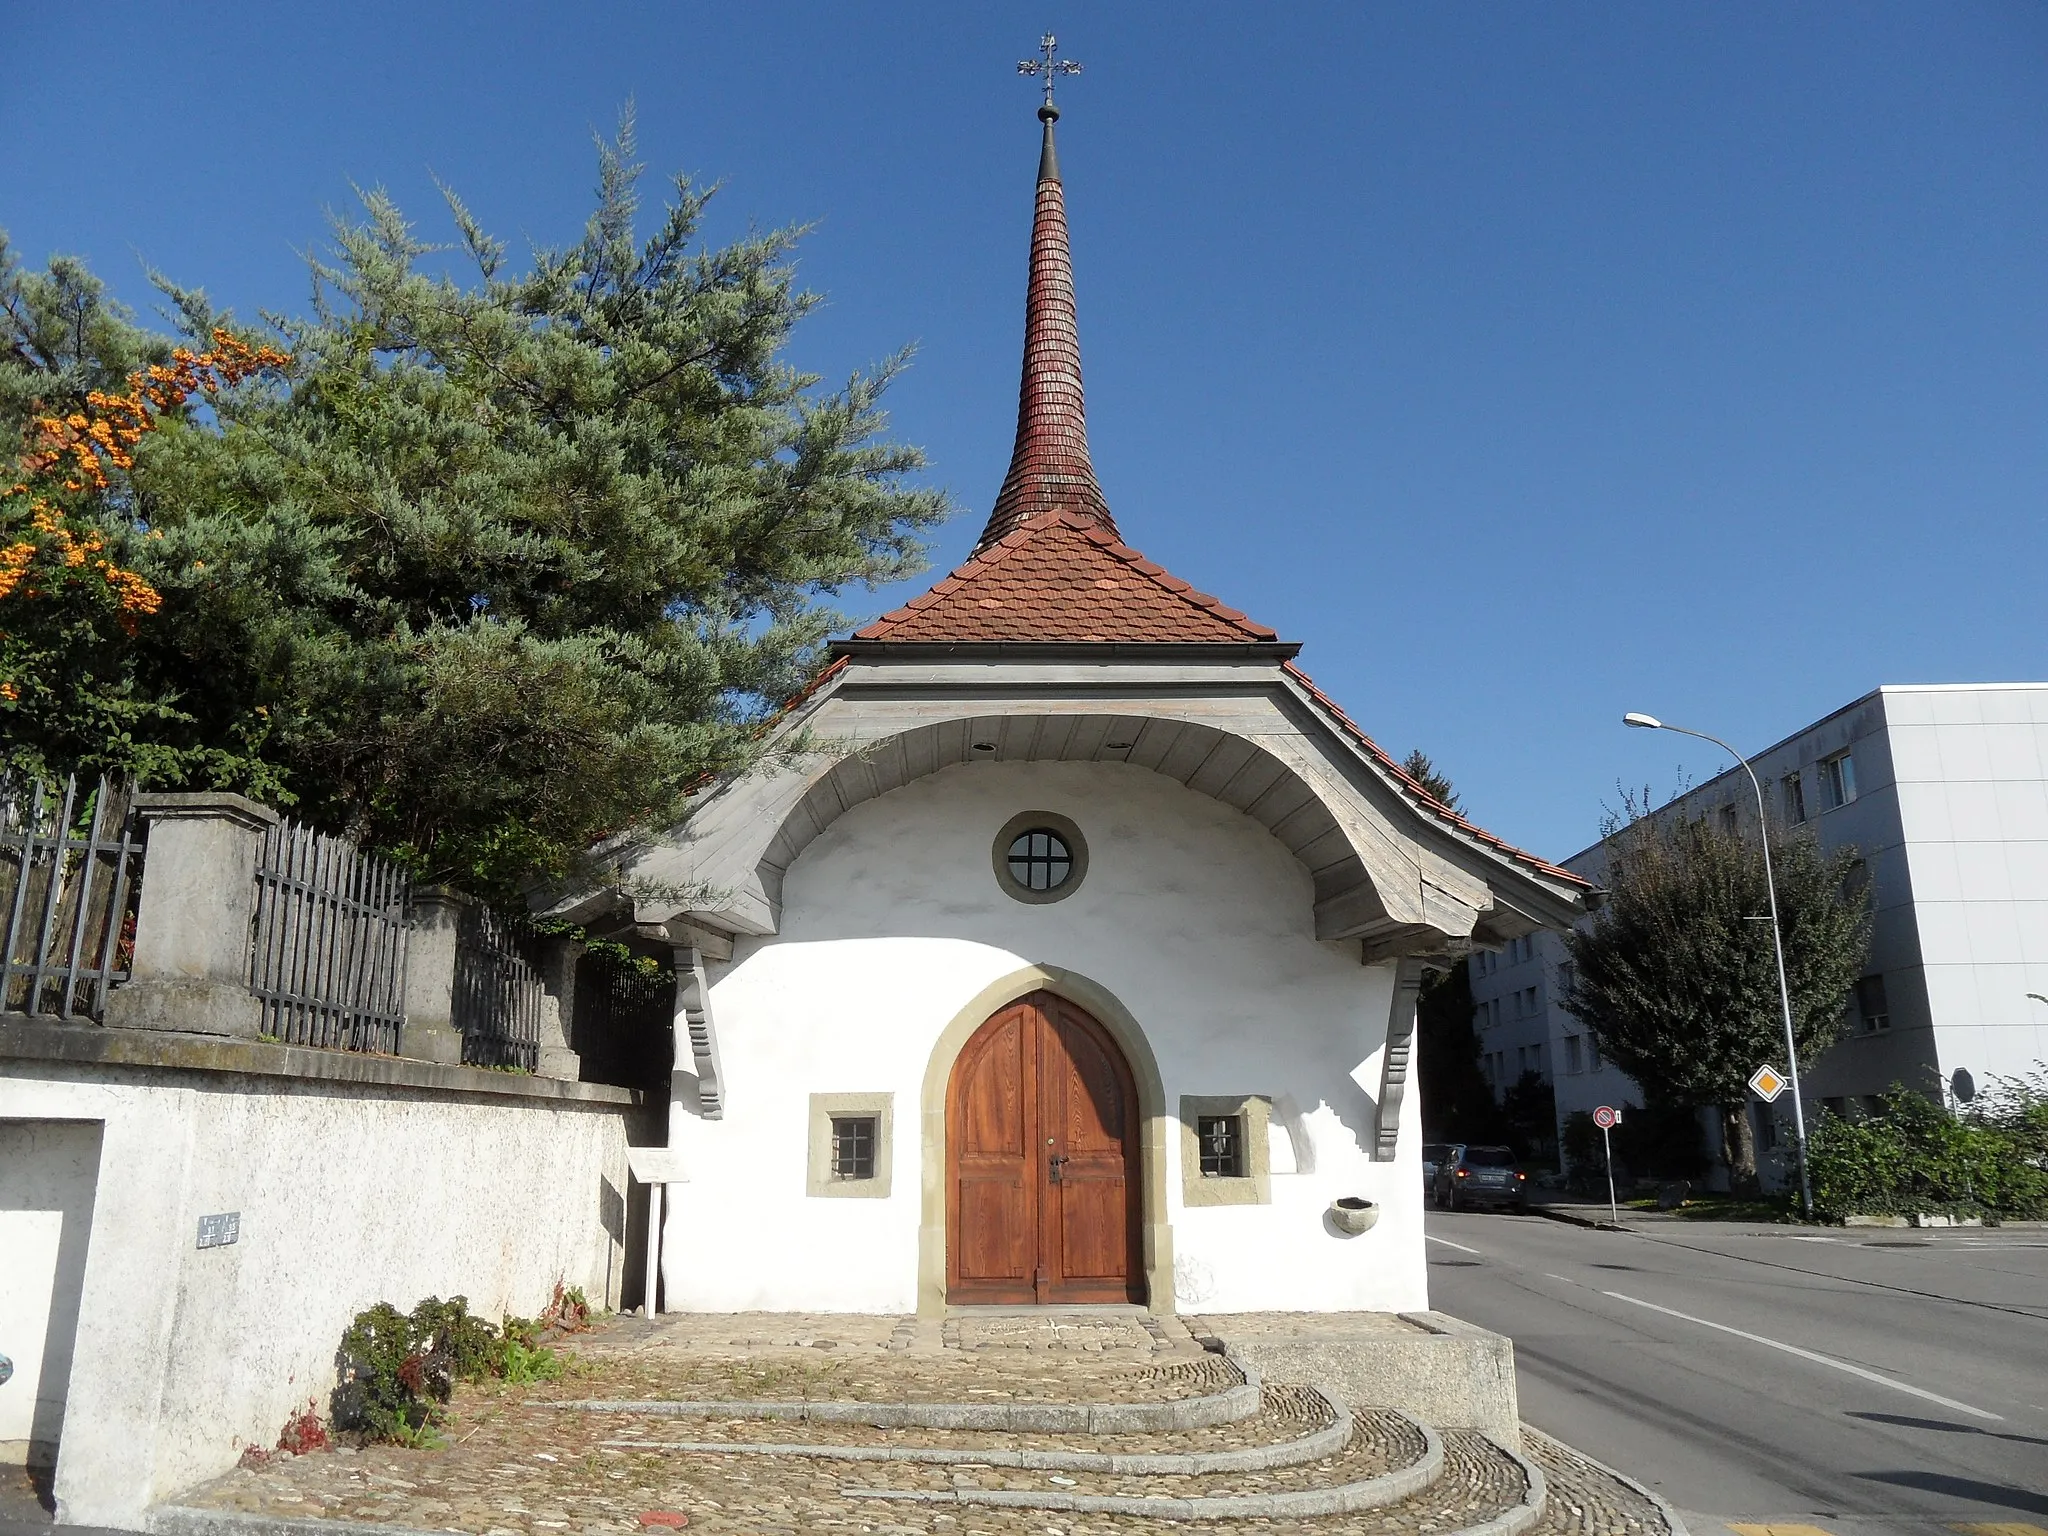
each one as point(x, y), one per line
point(1049, 466)
point(1060, 576)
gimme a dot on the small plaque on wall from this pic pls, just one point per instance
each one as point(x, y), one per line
point(218, 1231)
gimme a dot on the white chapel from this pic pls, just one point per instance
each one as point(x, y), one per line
point(1064, 949)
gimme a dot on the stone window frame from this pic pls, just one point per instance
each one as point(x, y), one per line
point(819, 1182)
point(1256, 1187)
point(1030, 821)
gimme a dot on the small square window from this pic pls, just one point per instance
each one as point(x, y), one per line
point(853, 1146)
point(1222, 1142)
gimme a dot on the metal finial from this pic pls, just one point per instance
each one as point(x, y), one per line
point(1048, 68)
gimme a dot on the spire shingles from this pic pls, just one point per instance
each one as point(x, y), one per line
point(1049, 467)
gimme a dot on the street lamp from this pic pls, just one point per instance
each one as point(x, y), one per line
point(1644, 722)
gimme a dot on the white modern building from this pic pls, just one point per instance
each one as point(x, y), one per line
point(1944, 791)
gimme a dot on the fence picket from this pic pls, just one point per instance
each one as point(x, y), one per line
point(328, 955)
point(70, 900)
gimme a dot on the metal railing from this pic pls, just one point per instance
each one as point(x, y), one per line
point(68, 881)
point(624, 1020)
point(328, 961)
point(498, 992)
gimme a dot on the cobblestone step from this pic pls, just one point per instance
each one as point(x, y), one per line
point(1294, 1425)
point(1100, 1418)
point(1466, 1482)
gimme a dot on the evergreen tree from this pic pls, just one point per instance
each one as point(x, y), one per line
point(1676, 979)
point(498, 565)
point(1426, 773)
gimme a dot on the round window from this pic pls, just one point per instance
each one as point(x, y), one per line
point(1039, 857)
point(1040, 860)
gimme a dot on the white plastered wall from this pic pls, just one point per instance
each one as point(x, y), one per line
point(348, 1196)
point(1192, 915)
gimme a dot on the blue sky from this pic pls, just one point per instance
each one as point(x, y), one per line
point(1529, 364)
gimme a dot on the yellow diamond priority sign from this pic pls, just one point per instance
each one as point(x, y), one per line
point(1767, 1084)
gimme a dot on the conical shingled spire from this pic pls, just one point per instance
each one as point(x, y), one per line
point(1049, 467)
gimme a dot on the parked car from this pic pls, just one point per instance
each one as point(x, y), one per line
point(1434, 1155)
point(1481, 1176)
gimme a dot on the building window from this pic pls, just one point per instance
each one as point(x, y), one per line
point(1767, 1133)
point(1040, 860)
point(1567, 978)
point(1728, 819)
point(1221, 1138)
point(853, 1146)
point(850, 1146)
point(1225, 1152)
point(1837, 781)
point(1571, 1053)
point(1529, 1002)
point(1871, 1005)
point(1795, 798)
point(1039, 857)
point(1592, 1054)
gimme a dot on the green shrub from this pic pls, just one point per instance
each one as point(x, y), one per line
point(397, 1372)
point(1915, 1155)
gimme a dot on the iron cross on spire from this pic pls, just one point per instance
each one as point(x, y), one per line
point(1046, 67)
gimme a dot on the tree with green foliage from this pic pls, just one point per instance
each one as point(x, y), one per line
point(1417, 766)
point(500, 564)
point(1675, 975)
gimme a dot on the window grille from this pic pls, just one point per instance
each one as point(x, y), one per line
point(69, 868)
point(1040, 860)
point(853, 1146)
point(1221, 1139)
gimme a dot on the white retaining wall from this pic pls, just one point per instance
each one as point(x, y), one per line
point(348, 1194)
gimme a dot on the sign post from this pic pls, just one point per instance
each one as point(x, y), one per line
point(1607, 1118)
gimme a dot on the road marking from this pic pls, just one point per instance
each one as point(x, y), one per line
point(2000, 1528)
point(1798, 1237)
point(1449, 1244)
point(1806, 1354)
point(1561, 1279)
point(1778, 1530)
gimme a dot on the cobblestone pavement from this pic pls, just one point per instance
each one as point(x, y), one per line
point(1584, 1500)
point(513, 1465)
point(660, 1368)
point(1286, 1413)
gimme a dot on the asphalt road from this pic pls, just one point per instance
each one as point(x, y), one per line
point(1865, 1382)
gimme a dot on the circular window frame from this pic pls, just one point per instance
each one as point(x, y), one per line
point(1039, 821)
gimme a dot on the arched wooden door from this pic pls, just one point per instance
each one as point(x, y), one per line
point(1042, 1161)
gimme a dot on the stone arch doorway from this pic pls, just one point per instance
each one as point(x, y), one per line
point(1043, 1189)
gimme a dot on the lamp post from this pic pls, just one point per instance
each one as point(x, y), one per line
point(1763, 820)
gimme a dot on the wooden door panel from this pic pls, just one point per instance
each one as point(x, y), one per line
point(992, 1194)
point(994, 1241)
point(992, 1121)
point(1092, 1241)
point(1042, 1080)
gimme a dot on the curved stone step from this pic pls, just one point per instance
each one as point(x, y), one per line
point(1415, 1482)
point(1318, 1445)
point(1225, 1407)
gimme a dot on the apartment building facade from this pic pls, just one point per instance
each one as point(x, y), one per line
point(1943, 792)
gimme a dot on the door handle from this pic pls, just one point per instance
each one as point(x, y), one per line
point(1054, 1164)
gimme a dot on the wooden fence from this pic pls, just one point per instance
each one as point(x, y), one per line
point(68, 881)
point(328, 958)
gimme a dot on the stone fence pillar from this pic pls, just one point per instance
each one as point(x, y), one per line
point(190, 970)
point(430, 1033)
point(558, 1010)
